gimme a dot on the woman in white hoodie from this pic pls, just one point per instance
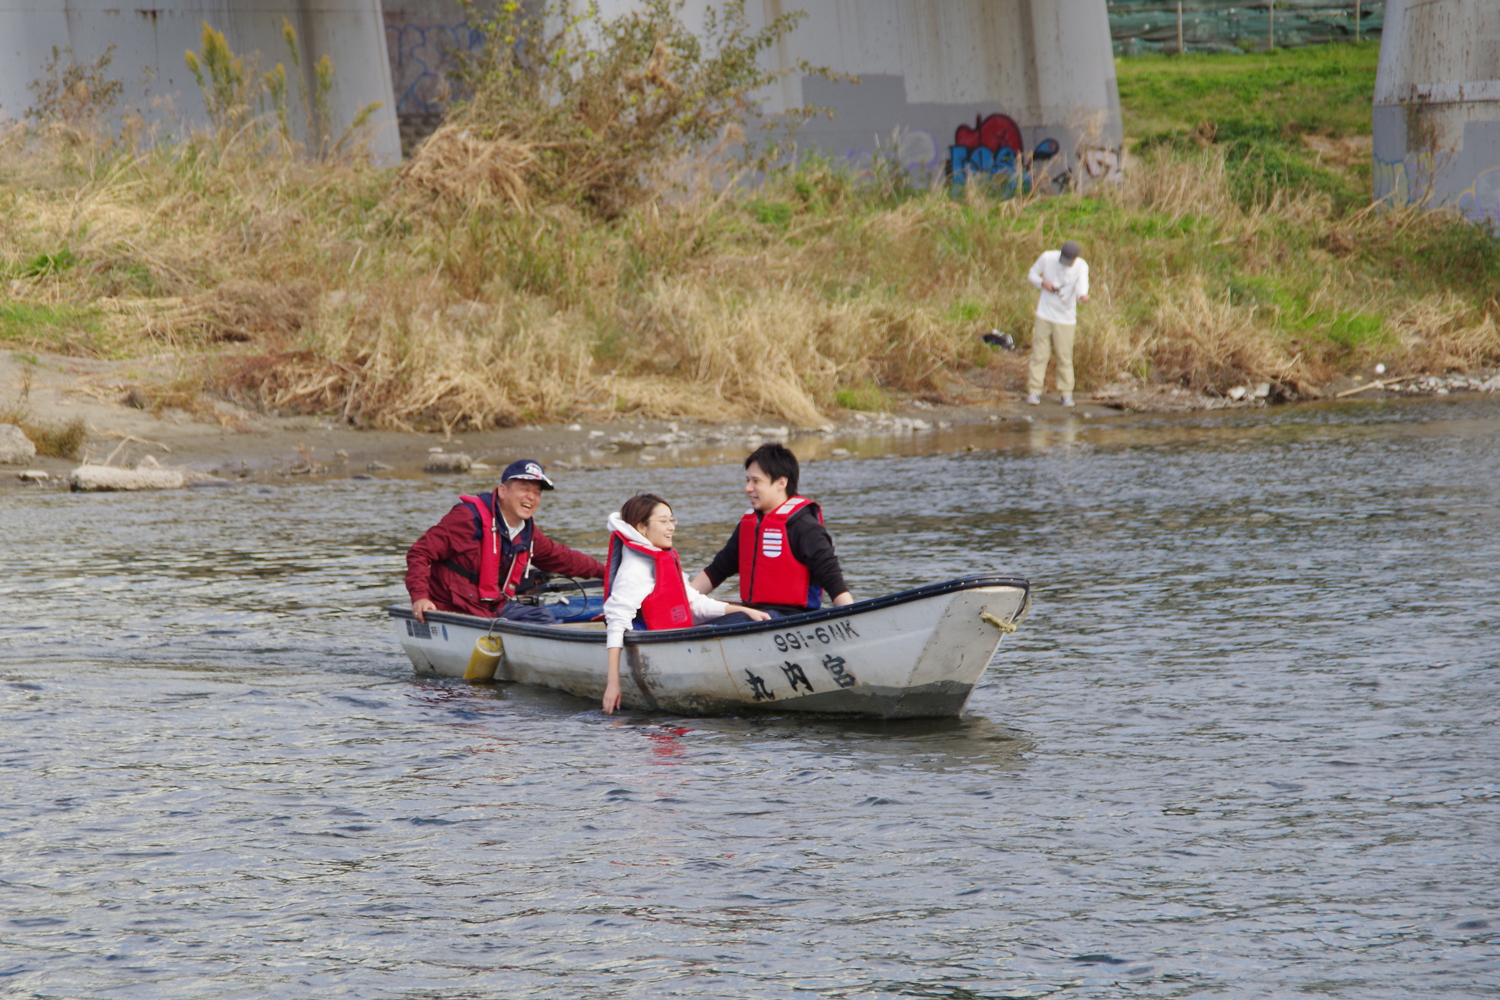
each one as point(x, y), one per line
point(644, 585)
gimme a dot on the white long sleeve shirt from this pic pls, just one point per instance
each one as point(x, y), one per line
point(1060, 306)
point(633, 583)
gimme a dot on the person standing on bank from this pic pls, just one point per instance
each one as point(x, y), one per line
point(645, 587)
point(781, 551)
point(473, 559)
point(1063, 277)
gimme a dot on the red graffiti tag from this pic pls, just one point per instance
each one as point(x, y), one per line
point(994, 133)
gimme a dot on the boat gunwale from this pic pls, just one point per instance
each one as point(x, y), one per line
point(711, 632)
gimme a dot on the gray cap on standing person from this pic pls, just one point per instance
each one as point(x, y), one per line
point(1069, 253)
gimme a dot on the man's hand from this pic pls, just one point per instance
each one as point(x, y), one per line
point(1083, 298)
point(1048, 286)
point(420, 609)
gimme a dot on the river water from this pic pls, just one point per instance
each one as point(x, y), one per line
point(1245, 746)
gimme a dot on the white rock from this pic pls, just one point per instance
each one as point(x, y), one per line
point(448, 462)
point(596, 434)
point(435, 450)
point(1380, 369)
point(840, 453)
point(15, 447)
point(1262, 390)
point(920, 425)
point(32, 476)
point(1238, 392)
point(108, 478)
point(575, 427)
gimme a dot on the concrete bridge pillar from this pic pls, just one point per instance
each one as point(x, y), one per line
point(151, 37)
point(1437, 106)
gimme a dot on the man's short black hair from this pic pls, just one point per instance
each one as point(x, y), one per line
point(776, 461)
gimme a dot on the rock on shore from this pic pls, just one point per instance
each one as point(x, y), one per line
point(109, 478)
point(454, 461)
point(15, 447)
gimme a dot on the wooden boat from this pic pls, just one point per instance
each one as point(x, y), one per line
point(914, 654)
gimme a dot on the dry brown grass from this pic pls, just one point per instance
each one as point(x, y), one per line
point(455, 168)
point(448, 296)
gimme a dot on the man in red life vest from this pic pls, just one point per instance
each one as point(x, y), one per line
point(781, 551)
point(473, 559)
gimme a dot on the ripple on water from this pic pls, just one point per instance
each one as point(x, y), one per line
point(1245, 746)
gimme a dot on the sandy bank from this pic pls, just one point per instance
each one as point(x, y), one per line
point(225, 441)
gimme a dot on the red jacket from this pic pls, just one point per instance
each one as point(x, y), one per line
point(456, 538)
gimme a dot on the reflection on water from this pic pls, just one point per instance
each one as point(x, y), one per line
point(1244, 746)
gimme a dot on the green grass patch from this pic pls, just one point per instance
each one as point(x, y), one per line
point(867, 396)
point(44, 264)
point(1352, 330)
point(61, 329)
point(966, 311)
point(1324, 89)
point(776, 214)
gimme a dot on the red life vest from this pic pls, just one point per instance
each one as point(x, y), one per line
point(769, 573)
point(667, 604)
point(491, 549)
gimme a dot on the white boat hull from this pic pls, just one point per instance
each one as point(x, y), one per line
point(909, 655)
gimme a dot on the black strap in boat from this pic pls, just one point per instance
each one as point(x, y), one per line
point(537, 581)
point(449, 564)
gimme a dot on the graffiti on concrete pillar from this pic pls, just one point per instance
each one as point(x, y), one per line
point(1390, 182)
point(1482, 198)
point(993, 147)
point(1101, 164)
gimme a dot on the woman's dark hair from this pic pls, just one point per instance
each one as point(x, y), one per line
point(776, 460)
point(637, 510)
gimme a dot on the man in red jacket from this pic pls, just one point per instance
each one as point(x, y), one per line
point(473, 559)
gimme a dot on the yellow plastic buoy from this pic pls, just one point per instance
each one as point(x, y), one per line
point(486, 657)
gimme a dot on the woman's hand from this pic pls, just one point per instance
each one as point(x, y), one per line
point(612, 682)
point(754, 614)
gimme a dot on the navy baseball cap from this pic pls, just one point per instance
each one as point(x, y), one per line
point(527, 468)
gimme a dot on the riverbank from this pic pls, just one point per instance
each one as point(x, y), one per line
point(1238, 251)
point(238, 445)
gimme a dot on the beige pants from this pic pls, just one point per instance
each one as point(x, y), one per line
point(1046, 337)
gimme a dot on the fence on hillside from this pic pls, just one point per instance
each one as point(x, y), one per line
point(1141, 26)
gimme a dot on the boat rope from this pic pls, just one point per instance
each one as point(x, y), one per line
point(999, 623)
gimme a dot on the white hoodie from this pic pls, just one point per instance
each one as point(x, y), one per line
point(633, 583)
